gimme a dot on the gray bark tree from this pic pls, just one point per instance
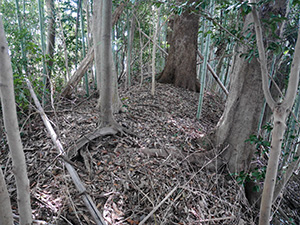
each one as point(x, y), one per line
point(243, 107)
point(6, 216)
point(242, 110)
point(100, 35)
point(109, 101)
point(106, 75)
point(12, 131)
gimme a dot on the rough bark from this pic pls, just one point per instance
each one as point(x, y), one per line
point(241, 114)
point(180, 68)
point(12, 131)
point(242, 109)
point(245, 100)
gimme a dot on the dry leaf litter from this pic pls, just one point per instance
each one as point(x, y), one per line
point(124, 180)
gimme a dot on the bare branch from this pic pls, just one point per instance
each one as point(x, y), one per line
point(262, 58)
point(294, 77)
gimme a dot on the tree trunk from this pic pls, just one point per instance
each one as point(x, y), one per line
point(12, 131)
point(100, 58)
point(50, 36)
point(241, 115)
point(242, 110)
point(106, 71)
point(280, 110)
point(180, 68)
point(6, 216)
point(245, 100)
point(154, 52)
point(243, 107)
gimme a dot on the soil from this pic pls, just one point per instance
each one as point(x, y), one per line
point(150, 174)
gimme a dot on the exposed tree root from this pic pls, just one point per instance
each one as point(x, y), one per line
point(200, 159)
point(111, 129)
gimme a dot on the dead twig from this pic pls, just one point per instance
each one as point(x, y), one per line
point(157, 207)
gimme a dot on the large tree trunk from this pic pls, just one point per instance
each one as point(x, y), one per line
point(242, 110)
point(244, 103)
point(241, 114)
point(180, 68)
point(243, 106)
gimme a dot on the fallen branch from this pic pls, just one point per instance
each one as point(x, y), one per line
point(76, 180)
point(88, 59)
point(196, 158)
point(77, 76)
point(214, 75)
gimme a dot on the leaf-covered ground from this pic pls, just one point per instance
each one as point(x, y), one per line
point(154, 172)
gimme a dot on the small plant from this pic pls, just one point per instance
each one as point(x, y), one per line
point(256, 174)
point(259, 142)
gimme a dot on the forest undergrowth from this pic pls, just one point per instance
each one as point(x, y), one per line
point(130, 175)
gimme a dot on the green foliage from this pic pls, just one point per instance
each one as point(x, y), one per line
point(295, 3)
point(257, 175)
point(22, 93)
point(291, 221)
point(244, 7)
point(259, 142)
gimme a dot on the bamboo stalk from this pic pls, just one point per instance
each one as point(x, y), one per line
point(76, 180)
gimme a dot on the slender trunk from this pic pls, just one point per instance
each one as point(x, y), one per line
point(67, 78)
point(130, 29)
point(12, 131)
point(204, 66)
point(101, 58)
point(154, 53)
point(6, 216)
point(280, 111)
point(106, 79)
point(50, 36)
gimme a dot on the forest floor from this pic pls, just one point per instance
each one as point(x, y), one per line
point(154, 172)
